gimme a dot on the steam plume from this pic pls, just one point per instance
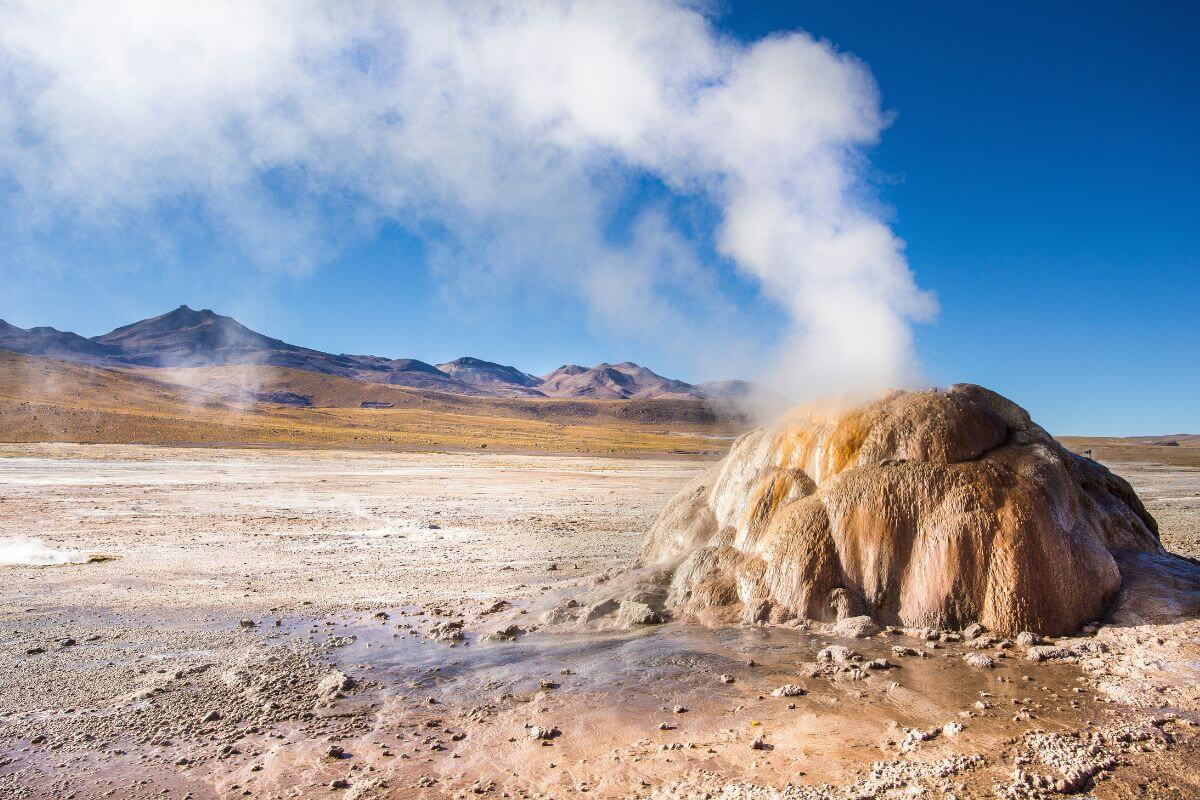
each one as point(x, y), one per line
point(509, 135)
point(24, 551)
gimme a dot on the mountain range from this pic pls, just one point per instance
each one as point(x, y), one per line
point(189, 338)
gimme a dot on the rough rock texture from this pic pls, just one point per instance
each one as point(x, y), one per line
point(924, 509)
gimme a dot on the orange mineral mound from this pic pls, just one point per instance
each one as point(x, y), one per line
point(925, 509)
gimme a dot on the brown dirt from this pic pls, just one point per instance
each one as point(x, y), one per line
point(162, 693)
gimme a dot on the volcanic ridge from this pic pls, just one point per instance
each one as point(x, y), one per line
point(186, 338)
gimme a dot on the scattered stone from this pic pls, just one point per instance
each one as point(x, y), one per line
point(507, 634)
point(836, 654)
point(632, 613)
point(915, 736)
point(789, 690)
point(447, 631)
point(901, 651)
point(1047, 652)
point(726, 678)
point(599, 610)
point(544, 734)
point(856, 627)
point(332, 685)
point(558, 614)
point(980, 660)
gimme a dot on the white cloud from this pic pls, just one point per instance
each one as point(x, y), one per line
point(511, 130)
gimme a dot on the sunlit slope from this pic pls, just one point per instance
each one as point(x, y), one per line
point(250, 381)
point(43, 400)
point(1137, 450)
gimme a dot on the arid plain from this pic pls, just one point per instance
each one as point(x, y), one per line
point(284, 623)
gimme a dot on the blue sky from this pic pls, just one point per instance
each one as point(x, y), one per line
point(1041, 166)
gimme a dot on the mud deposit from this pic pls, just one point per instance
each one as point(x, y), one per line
point(281, 625)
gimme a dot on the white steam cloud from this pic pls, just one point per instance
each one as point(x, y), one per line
point(509, 135)
point(26, 552)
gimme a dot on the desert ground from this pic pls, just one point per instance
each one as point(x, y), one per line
point(235, 622)
point(48, 400)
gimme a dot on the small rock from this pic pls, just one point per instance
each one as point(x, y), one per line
point(980, 660)
point(334, 684)
point(599, 610)
point(902, 651)
point(856, 627)
point(1047, 652)
point(447, 631)
point(789, 690)
point(507, 634)
point(836, 654)
point(631, 613)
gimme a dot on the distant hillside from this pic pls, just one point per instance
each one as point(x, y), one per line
point(50, 400)
point(1185, 452)
point(187, 338)
point(56, 344)
point(488, 375)
point(615, 382)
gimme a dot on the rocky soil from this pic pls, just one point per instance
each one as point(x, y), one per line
point(293, 624)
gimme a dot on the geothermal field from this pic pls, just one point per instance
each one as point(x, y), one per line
point(615, 399)
point(227, 622)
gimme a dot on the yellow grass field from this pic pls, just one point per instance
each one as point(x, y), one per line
point(45, 400)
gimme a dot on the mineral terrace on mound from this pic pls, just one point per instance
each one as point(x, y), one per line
point(929, 509)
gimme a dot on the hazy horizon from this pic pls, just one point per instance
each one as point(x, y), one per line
point(1031, 240)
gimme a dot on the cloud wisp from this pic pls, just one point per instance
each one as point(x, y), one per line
point(510, 136)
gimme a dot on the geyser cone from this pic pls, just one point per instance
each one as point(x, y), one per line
point(926, 509)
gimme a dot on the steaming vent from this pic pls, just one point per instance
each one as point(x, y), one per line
point(923, 509)
point(23, 551)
